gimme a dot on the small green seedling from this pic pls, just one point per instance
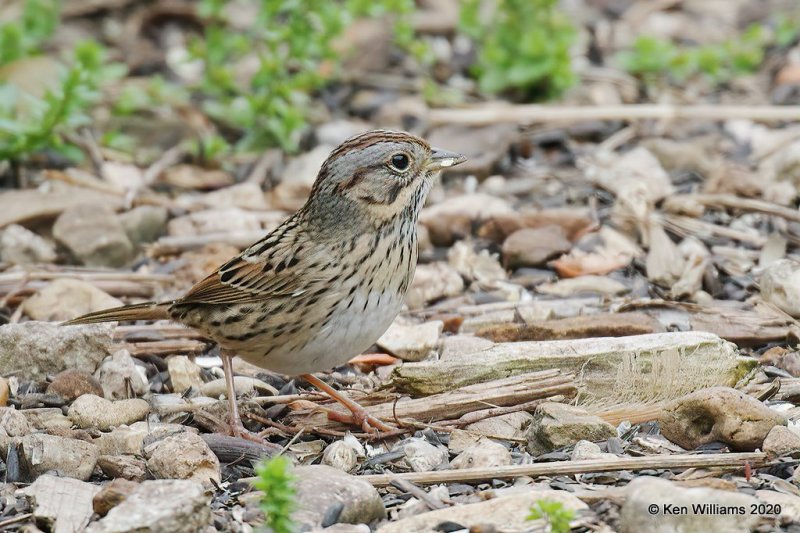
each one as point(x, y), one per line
point(277, 484)
point(554, 513)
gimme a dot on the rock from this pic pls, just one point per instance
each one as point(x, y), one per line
point(452, 219)
point(112, 494)
point(780, 285)
point(432, 282)
point(145, 223)
point(484, 454)
point(129, 440)
point(119, 377)
point(556, 425)
point(585, 449)
point(718, 414)
point(573, 221)
point(455, 345)
point(61, 505)
point(64, 299)
point(326, 495)
point(789, 505)
point(47, 419)
point(17, 206)
point(411, 342)
point(224, 220)
point(676, 511)
point(183, 455)
point(484, 146)
point(244, 385)
point(12, 424)
point(246, 195)
point(534, 247)
point(583, 285)
point(335, 132)
point(177, 506)
point(41, 453)
point(94, 236)
point(184, 373)
point(511, 426)
point(421, 455)
point(343, 454)
point(188, 176)
point(123, 467)
point(36, 349)
point(482, 267)
point(782, 441)
point(91, 411)
point(502, 513)
point(71, 384)
point(20, 246)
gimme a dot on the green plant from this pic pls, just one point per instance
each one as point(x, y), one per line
point(275, 481)
point(25, 36)
point(652, 57)
point(293, 43)
point(30, 124)
point(524, 44)
point(554, 513)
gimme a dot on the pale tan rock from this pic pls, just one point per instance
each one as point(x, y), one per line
point(421, 455)
point(533, 247)
point(124, 467)
point(21, 246)
point(184, 373)
point(585, 449)
point(47, 418)
point(343, 454)
point(782, 441)
point(789, 504)
point(112, 494)
point(718, 414)
point(322, 491)
point(94, 236)
point(158, 506)
point(483, 454)
point(61, 503)
point(64, 299)
point(182, 456)
point(119, 377)
point(504, 513)
point(129, 440)
point(90, 411)
point(411, 342)
point(432, 282)
point(556, 425)
point(780, 285)
point(41, 453)
point(646, 494)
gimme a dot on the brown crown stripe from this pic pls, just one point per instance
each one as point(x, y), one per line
point(372, 137)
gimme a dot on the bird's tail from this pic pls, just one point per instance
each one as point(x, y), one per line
point(143, 311)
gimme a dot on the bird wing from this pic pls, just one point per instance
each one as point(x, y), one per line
point(269, 268)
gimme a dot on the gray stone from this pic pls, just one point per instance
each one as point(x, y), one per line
point(123, 466)
point(94, 236)
point(41, 453)
point(183, 455)
point(62, 505)
point(718, 414)
point(20, 246)
point(119, 377)
point(556, 425)
point(421, 455)
point(49, 419)
point(159, 506)
point(36, 349)
point(145, 223)
point(483, 454)
point(413, 342)
point(326, 495)
point(129, 440)
point(531, 247)
point(90, 411)
point(584, 450)
point(343, 454)
point(782, 441)
point(502, 513)
point(645, 494)
point(484, 146)
point(432, 282)
point(12, 424)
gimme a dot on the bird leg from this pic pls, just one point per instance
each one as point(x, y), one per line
point(236, 428)
point(361, 418)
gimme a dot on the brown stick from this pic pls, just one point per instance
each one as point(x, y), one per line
point(453, 404)
point(524, 114)
point(473, 475)
point(675, 203)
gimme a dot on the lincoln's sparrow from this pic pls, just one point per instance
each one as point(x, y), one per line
point(325, 284)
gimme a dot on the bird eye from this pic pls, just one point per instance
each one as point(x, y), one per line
point(400, 162)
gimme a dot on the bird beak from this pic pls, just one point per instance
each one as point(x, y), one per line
point(442, 159)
